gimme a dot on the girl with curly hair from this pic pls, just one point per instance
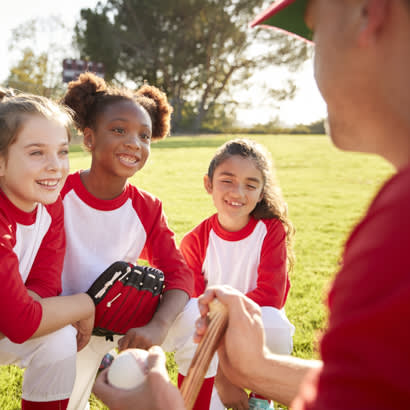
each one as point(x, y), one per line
point(109, 219)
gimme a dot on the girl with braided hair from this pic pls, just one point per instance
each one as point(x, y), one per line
point(108, 219)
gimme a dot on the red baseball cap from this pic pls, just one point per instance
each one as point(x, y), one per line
point(286, 15)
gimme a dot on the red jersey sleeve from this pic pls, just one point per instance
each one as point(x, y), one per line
point(193, 247)
point(161, 252)
point(273, 283)
point(20, 313)
point(45, 274)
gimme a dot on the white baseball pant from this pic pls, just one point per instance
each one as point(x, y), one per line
point(49, 363)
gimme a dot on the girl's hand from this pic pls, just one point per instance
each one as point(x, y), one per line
point(156, 393)
point(84, 331)
point(143, 337)
point(231, 396)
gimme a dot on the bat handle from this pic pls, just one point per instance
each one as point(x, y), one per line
point(218, 321)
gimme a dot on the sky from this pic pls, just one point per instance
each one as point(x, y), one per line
point(307, 107)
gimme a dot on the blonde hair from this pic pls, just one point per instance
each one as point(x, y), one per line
point(272, 204)
point(15, 108)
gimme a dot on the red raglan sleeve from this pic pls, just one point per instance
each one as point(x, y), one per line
point(161, 251)
point(20, 314)
point(45, 274)
point(192, 251)
point(273, 281)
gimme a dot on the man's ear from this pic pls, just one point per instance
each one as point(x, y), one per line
point(374, 16)
point(88, 138)
point(207, 184)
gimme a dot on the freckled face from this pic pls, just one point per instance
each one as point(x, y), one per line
point(36, 165)
point(121, 143)
point(236, 188)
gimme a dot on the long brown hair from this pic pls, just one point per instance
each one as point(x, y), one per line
point(272, 204)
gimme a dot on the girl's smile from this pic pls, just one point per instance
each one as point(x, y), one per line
point(236, 188)
point(128, 160)
point(120, 145)
point(36, 167)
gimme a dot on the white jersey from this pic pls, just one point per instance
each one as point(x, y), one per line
point(129, 227)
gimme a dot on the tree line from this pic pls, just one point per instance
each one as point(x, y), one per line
point(199, 52)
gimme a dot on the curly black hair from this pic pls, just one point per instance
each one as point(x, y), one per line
point(89, 95)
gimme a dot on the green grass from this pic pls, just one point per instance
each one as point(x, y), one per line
point(327, 192)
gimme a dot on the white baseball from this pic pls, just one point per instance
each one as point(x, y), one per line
point(128, 369)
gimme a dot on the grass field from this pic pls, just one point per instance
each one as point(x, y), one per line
point(327, 192)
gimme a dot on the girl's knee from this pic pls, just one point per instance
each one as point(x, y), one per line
point(58, 345)
point(278, 330)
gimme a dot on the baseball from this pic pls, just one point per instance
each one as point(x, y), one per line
point(128, 369)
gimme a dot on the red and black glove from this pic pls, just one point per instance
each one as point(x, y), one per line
point(125, 296)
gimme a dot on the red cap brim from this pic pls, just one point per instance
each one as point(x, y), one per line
point(286, 15)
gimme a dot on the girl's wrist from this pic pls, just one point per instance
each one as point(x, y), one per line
point(90, 303)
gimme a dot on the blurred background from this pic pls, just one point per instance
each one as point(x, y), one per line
point(219, 74)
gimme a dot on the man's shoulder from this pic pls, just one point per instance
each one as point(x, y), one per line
point(394, 193)
point(387, 218)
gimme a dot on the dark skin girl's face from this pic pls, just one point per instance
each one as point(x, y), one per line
point(120, 146)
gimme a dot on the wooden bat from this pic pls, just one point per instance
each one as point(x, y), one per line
point(218, 321)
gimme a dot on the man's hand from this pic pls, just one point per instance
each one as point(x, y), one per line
point(240, 356)
point(156, 393)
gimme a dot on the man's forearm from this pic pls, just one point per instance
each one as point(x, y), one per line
point(281, 376)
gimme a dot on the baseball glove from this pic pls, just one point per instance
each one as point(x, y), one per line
point(125, 296)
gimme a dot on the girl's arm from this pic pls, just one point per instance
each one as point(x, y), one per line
point(192, 251)
point(161, 252)
point(45, 274)
point(273, 281)
point(21, 314)
point(29, 315)
point(34, 295)
point(61, 311)
point(154, 333)
point(84, 325)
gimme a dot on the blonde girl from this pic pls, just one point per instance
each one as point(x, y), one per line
point(34, 320)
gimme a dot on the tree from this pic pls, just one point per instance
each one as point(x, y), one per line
point(38, 50)
point(197, 51)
